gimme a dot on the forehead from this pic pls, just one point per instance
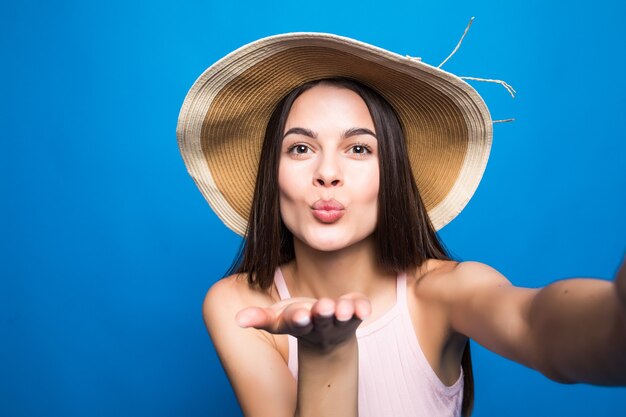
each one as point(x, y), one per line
point(329, 102)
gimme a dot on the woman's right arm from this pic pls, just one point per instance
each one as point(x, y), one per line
point(327, 350)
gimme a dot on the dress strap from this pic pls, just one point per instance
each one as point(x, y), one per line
point(283, 293)
point(281, 286)
point(292, 362)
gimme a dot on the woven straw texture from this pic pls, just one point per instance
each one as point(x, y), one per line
point(223, 119)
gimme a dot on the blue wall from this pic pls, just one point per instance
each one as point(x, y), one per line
point(108, 248)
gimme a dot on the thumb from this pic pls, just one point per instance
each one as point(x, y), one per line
point(257, 317)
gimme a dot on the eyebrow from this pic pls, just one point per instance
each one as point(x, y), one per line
point(354, 131)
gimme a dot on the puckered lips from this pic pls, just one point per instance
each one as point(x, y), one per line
point(327, 211)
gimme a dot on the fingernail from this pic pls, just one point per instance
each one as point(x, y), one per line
point(302, 321)
point(344, 318)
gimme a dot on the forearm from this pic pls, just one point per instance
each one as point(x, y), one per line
point(620, 286)
point(578, 328)
point(328, 381)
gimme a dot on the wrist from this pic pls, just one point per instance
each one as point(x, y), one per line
point(339, 350)
point(328, 379)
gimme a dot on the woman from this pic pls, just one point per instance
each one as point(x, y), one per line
point(341, 253)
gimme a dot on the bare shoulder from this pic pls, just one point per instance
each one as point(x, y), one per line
point(446, 281)
point(228, 296)
point(253, 363)
point(235, 290)
point(224, 295)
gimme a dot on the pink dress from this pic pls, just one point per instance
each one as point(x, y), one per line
point(395, 379)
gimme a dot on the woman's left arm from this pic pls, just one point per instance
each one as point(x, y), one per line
point(572, 330)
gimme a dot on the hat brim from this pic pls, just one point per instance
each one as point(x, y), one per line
point(223, 119)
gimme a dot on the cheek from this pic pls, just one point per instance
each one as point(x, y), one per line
point(288, 183)
point(367, 183)
point(289, 189)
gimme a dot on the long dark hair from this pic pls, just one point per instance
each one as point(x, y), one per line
point(404, 236)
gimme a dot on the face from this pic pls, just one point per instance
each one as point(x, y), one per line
point(328, 173)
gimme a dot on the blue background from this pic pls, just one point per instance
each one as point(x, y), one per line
point(107, 247)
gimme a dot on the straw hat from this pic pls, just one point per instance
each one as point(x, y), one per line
point(223, 119)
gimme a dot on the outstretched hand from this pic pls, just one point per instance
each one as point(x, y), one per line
point(323, 323)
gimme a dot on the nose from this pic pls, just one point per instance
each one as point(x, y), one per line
point(328, 172)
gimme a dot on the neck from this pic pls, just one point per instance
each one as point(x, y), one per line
point(318, 274)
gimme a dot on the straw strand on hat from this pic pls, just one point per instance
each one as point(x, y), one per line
point(458, 45)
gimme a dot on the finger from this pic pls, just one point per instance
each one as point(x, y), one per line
point(257, 317)
point(271, 315)
point(296, 320)
point(344, 310)
point(362, 305)
point(323, 313)
point(362, 308)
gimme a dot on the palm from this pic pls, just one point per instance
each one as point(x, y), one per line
point(322, 323)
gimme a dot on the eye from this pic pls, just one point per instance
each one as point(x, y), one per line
point(299, 149)
point(360, 149)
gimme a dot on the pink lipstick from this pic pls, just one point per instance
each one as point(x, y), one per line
point(327, 211)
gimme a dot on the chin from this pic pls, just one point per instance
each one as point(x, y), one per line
point(327, 246)
point(328, 241)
